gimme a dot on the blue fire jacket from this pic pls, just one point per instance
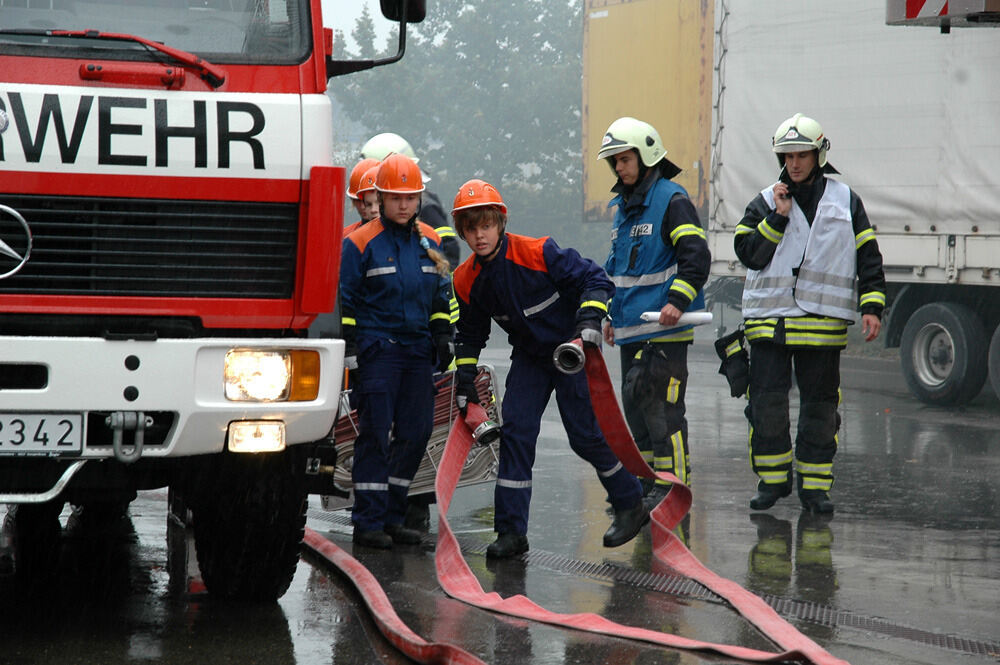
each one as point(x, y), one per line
point(389, 285)
point(532, 288)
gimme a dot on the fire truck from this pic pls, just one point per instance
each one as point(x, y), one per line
point(170, 225)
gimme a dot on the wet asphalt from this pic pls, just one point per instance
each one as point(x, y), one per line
point(907, 570)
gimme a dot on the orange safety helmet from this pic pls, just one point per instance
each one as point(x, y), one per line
point(398, 174)
point(476, 193)
point(367, 181)
point(359, 170)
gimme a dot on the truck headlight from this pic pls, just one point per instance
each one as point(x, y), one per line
point(271, 376)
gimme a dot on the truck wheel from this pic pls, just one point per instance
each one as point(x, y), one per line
point(941, 353)
point(36, 532)
point(994, 361)
point(249, 520)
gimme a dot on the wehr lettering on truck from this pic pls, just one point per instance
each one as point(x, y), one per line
point(170, 227)
point(72, 128)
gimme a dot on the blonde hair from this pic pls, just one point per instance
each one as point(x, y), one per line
point(439, 259)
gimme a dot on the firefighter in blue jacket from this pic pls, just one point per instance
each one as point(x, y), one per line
point(812, 261)
point(541, 295)
point(395, 287)
point(659, 262)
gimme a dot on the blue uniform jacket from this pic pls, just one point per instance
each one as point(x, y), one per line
point(389, 284)
point(646, 269)
point(532, 289)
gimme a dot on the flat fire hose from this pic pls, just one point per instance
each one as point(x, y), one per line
point(459, 582)
point(388, 622)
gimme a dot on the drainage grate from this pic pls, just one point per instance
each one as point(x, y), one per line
point(682, 586)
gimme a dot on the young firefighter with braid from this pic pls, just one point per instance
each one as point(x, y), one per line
point(542, 295)
point(395, 287)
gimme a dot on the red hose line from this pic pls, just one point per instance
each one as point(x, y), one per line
point(388, 622)
point(667, 547)
point(458, 581)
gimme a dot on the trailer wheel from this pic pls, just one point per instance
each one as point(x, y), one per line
point(941, 353)
point(249, 520)
point(994, 361)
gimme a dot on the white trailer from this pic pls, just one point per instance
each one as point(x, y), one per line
point(913, 116)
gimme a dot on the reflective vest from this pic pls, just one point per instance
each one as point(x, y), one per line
point(642, 267)
point(814, 269)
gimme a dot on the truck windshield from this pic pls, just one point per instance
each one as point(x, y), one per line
point(221, 31)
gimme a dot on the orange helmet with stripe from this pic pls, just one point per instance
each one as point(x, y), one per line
point(356, 174)
point(398, 174)
point(475, 193)
point(367, 181)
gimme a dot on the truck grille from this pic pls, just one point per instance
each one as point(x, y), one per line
point(153, 247)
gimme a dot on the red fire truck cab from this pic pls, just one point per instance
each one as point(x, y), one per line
point(170, 225)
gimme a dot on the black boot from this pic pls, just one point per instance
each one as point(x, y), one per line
point(507, 545)
point(376, 538)
point(768, 495)
point(655, 496)
point(647, 485)
point(401, 535)
point(626, 524)
point(816, 501)
point(418, 515)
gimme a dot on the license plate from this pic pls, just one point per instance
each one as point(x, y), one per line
point(41, 433)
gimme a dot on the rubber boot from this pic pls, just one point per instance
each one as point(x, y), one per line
point(655, 496)
point(626, 524)
point(816, 502)
point(377, 539)
point(418, 515)
point(401, 535)
point(768, 495)
point(507, 545)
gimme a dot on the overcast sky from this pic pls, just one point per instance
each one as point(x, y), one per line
point(341, 14)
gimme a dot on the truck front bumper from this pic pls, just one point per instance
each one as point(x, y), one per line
point(178, 385)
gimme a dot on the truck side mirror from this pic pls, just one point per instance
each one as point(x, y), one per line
point(416, 10)
point(404, 11)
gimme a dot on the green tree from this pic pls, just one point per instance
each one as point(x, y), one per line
point(487, 90)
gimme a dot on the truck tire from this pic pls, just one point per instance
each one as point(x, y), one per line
point(994, 361)
point(941, 353)
point(36, 533)
point(249, 520)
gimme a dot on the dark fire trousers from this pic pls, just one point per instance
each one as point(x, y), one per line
point(656, 414)
point(817, 373)
point(396, 409)
point(530, 383)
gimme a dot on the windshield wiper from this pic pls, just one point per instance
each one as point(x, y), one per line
point(211, 74)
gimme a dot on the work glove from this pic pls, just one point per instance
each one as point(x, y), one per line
point(350, 352)
point(588, 326)
point(445, 350)
point(465, 387)
point(732, 350)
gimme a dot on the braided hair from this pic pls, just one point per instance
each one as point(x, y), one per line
point(439, 259)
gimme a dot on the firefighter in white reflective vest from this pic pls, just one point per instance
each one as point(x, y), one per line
point(810, 251)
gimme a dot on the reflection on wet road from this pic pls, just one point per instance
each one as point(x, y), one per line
point(906, 571)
